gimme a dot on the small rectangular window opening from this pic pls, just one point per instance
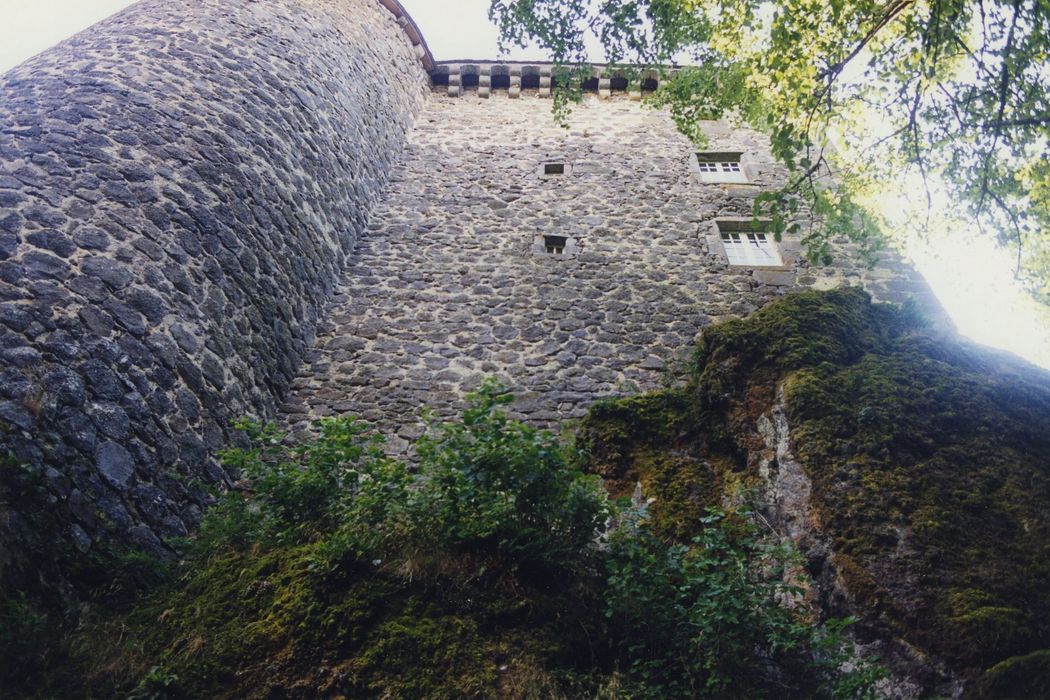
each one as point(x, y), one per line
point(555, 245)
point(750, 249)
point(554, 168)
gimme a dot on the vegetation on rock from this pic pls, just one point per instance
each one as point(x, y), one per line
point(492, 567)
point(927, 463)
point(497, 565)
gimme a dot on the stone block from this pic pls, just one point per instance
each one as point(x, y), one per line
point(775, 278)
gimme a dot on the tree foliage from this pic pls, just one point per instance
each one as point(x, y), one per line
point(919, 95)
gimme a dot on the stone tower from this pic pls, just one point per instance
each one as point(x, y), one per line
point(457, 278)
point(286, 209)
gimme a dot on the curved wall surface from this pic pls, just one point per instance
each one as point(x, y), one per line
point(180, 186)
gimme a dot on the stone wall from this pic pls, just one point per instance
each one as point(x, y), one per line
point(451, 283)
point(179, 189)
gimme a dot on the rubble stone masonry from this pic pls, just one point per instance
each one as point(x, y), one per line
point(452, 281)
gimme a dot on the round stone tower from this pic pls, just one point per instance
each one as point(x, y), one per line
point(180, 186)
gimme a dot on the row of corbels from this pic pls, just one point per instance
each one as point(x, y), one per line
point(486, 71)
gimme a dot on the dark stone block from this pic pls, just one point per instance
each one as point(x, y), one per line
point(192, 451)
point(37, 262)
point(14, 384)
point(102, 382)
point(78, 429)
point(212, 369)
point(136, 351)
point(9, 198)
point(8, 245)
point(21, 357)
point(188, 405)
point(98, 322)
point(163, 348)
point(110, 420)
point(64, 386)
point(114, 464)
point(91, 238)
point(15, 316)
point(18, 414)
point(119, 192)
point(148, 304)
point(45, 216)
point(61, 346)
point(116, 275)
point(191, 375)
point(91, 288)
point(53, 240)
point(186, 340)
point(125, 316)
point(135, 172)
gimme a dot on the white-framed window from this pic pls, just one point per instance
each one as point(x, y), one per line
point(721, 166)
point(751, 249)
point(725, 166)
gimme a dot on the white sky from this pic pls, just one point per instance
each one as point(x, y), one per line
point(972, 279)
point(462, 32)
point(27, 27)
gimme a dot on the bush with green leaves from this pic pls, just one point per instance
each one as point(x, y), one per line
point(720, 616)
point(486, 484)
point(700, 618)
point(497, 484)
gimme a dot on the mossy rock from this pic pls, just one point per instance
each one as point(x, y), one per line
point(1017, 678)
point(929, 462)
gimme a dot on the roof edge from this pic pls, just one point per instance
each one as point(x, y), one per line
point(411, 29)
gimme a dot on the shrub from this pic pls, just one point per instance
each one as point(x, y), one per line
point(496, 484)
point(719, 616)
point(487, 484)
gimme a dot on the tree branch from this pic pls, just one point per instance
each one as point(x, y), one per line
point(1003, 88)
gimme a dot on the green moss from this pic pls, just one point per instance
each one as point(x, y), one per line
point(653, 439)
point(460, 660)
point(927, 471)
point(801, 330)
point(928, 462)
point(263, 622)
point(1017, 678)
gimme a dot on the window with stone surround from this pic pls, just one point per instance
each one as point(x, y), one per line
point(746, 247)
point(554, 169)
point(554, 245)
point(721, 166)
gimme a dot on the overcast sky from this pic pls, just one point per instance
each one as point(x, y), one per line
point(453, 28)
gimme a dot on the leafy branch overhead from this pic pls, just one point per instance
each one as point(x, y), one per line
point(940, 97)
